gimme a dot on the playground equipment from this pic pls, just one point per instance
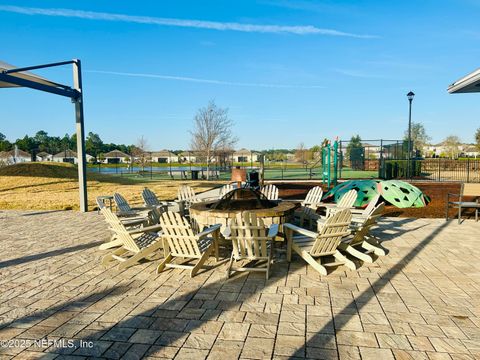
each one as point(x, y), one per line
point(396, 192)
point(330, 162)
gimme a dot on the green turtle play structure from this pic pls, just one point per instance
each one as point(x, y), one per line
point(398, 193)
point(329, 162)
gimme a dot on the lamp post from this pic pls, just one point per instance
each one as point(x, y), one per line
point(410, 96)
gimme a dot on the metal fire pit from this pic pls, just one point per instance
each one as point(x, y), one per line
point(224, 210)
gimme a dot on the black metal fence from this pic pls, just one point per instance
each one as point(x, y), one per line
point(439, 169)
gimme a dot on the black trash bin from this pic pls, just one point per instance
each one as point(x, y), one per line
point(253, 179)
point(195, 174)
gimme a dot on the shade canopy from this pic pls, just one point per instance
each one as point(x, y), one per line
point(11, 76)
point(23, 75)
point(468, 84)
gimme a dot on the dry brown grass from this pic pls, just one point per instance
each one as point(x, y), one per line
point(54, 187)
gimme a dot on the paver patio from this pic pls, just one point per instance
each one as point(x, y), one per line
point(421, 301)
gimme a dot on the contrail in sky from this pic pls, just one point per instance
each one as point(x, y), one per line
point(207, 81)
point(199, 24)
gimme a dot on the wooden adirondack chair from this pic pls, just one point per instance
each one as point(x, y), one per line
point(345, 202)
point(313, 198)
point(362, 213)
point(270, 191)
point(129, 223)
point(225, 190)
point(251, 241)
point(136, 244)
point(361, 244)
point(322, 244)
point(306, 215)
point(186, 197)
point(124, 209)
point(181, 242)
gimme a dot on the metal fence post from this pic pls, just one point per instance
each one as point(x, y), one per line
point(439, 176)
point(468, 170)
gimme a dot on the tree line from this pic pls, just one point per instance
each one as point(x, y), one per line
point(41, 141)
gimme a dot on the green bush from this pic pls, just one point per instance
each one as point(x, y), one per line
point(397, 169)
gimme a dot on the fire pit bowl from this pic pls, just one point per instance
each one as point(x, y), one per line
point(244, 199)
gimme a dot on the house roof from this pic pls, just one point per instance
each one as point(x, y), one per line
point(43, 153)
point(116, 154)
point(163, 153)
point(66, 154)
point(9, 153)
point(244, 152)
point(467, 84)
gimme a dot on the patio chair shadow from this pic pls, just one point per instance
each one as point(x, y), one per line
point(358, 303)
point(174, 317)
point(41, 212)
point(48, 254)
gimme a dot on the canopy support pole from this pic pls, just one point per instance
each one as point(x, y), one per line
point(82, 161)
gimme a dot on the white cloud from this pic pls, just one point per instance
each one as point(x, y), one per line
point(207, 81)
point(199, 24)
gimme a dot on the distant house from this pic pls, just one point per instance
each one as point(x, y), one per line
point(188, 156)
point(116, 157)
point(371, 150)
point(244, 155)
point(471, 150)
point(69, 156)
point(164, 156)
point(15, 156)
point(44, 156)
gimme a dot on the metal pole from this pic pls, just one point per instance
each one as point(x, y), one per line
point(82, 166)
point(409, 138)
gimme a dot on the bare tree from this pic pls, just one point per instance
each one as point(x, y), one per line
point(452, 144)
point(420, 137)
point(212, 132)
point(139, 151)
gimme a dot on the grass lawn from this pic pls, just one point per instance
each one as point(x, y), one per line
point(54, 186)
point(292, 174)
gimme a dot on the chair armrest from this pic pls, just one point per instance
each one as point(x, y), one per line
point(359, 219)
point(209, 230)
point(127, 214)
point(153, 228)
point(300, 230)
point(141, 208)
point(132, 221)
point(272, 230)
point(357, 211)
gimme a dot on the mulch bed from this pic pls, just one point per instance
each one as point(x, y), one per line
point(435, 209)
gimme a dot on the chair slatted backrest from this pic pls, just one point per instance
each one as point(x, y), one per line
point(122, 233)
point(121, 203)
point(100, 203)
point(470, 189)
point(270, 191)
point(331, 233)
point(179, 235)
point(348, 199)
point(371, 205)
point(364, 228)
point(249, 237)
point(186, 194)
point(313, 197)
point(149, 198)
point(225, 190)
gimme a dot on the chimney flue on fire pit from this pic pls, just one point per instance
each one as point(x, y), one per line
point(239, 175)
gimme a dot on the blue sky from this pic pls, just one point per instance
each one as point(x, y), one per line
point(289, 71)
